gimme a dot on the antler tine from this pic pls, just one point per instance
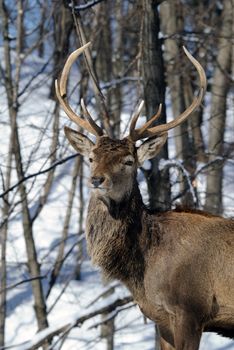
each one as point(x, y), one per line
point(61, 92)
point(135, 116)
point(152, 120)
point(97, 128)
point(70, 113)
point(136, 134)
point(144, 131)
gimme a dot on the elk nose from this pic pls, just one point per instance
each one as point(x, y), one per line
point(97, 180)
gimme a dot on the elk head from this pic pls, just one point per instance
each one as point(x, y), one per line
point(114, 163)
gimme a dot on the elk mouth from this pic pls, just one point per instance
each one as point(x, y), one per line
point(99, 188)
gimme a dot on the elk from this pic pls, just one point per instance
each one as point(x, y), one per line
point(178, 265)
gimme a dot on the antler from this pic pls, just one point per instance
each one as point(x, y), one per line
point(61, 92)
point(147, 131)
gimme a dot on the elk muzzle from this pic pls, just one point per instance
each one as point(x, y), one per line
point(96, 181)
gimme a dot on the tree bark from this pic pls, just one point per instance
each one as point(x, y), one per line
point(3, 245)
point(63, 24)
point(60, 256)
point(154, 94)
point(117, 57)
point(12, 85)
point(220, 87)
point(171, 23)
point(181, 94)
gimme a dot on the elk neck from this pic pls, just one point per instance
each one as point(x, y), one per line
point(114, 234)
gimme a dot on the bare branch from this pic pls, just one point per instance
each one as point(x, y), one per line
point(83, 7)
point(49, 333)
point(88, 59)
point(12, 286)
point(64, 160)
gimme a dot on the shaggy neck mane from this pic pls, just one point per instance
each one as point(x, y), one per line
point(114, 235)
point(129, 208)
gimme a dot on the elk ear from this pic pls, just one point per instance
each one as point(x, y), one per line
point(150, 148)
point(80, 142)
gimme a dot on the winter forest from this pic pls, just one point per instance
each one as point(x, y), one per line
point(51, 296)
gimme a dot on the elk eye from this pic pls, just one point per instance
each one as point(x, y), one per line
point(128, 162)
point(90, 160)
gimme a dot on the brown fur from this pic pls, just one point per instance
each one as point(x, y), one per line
point(171, 262)
point(179, 265)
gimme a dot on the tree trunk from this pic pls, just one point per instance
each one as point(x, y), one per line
point(154, 94)
point(117, 57)
point(3, 273)
point(12, 85)
point(33, 264)
point(63, 25)
point(81, 252)
point(171, 15)
point(41, 30)
point(61, 250)
point(108, 327)
point(171, 23)
point(220, 86)
point(3, 245)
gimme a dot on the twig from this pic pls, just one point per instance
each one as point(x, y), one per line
point(88, 60)
point(109, 289)
point(48, 334)
point(12, 286)
point(83, 7)
point(112, 315)
point(64, 160)
point(167, 164)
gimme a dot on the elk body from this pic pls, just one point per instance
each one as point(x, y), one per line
point(178, 265)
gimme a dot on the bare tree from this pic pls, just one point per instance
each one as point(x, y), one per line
point(3, 245)
point(12, 90)
point(154, 94)
point(220, 88)
point(61, 251)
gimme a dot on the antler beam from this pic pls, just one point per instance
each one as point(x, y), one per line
point(61, 92)
point(147, 131)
